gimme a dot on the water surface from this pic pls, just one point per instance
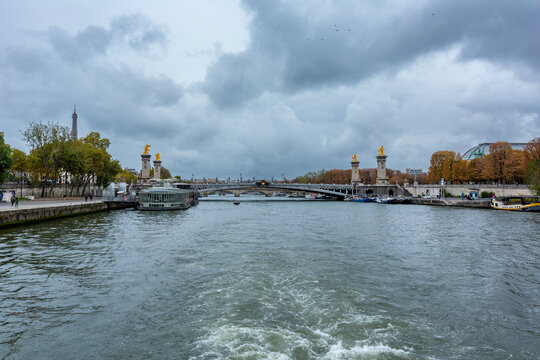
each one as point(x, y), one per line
point(275, 280)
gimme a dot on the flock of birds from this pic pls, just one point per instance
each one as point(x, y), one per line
point(349, 29)
point(335, 29)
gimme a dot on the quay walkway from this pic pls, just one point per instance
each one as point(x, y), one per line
point(30, 211)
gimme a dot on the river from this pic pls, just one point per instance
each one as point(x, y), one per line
point(274, 280)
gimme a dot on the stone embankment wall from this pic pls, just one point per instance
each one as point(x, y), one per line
point(20, 216)
point(456, 190)
point(478, 204)
point(58, 191)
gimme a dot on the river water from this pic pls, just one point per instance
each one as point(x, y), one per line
point(274, 280)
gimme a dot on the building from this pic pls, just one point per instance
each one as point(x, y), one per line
point(482, 150)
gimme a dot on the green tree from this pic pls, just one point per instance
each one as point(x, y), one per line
point(165, 173)
point(533, 176)
point(6, 161)
point(95, 139)
point(19, 163)
point(127, 176)
point(47, 142)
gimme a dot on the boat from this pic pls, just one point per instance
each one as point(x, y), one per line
point(236, 202)
point(386, 200)
point(167, 198)
point(363, 199)
point(403, 200)
point(311, 196)
point(515, 204)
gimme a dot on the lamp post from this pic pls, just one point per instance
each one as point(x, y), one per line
point(21, 181)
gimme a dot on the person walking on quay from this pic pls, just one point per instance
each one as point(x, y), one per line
point(85, 197)
point(16, 202)
point(91, 196)
point(12, 200)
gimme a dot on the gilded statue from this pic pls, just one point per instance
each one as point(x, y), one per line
point(146, 149)
point(354, 158)
point(381, 150)
point(158, 155)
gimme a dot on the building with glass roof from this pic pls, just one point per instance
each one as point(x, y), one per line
point(482, 150)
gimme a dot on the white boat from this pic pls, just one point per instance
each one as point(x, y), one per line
point(508, 204)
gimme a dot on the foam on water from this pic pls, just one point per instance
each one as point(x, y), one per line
point(338, 351)
point(264, 343)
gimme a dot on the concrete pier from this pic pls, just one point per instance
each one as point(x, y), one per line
point(36, 211)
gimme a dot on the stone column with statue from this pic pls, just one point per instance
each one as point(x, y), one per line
point(355, 176)
point(145, 170)
point(382, 176)
point(157, 167)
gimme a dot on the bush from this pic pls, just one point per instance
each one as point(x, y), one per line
point(447, 194)
point(486, 194)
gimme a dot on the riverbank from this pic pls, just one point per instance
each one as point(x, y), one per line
point(477, 204)
point(43, 210)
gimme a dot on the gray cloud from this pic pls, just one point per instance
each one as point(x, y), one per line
point(64, 70)
point(136, 31)
point(291, 50)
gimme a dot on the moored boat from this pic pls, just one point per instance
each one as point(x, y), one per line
point(512, 204)
point(386, 200)
point(166, 198)
point(364, 199)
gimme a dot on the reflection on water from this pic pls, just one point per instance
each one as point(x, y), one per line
point(299, 280)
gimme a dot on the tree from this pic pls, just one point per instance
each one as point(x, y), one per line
point(495, 160)
point(19, 163)
point(441, 166)
point(46, 141)
point(475, 169)
point(127, 176)
point(532, 150)
point(95, 139)
point(165, 173)
point(460, 170)
point(6, 161)
point(514, 167)
point(533, 176)
point(532, 161)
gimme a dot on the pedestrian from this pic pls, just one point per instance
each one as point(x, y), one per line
point(16, 202)
point(12, 200)
point(91, 196)
point(85, 197)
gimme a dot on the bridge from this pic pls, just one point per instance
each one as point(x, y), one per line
point(337, 191)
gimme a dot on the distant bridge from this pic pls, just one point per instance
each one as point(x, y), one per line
point(338, 191)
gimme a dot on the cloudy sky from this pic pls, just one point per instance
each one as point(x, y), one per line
point(265, 88)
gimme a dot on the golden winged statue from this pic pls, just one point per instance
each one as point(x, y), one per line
point(381, 150)
point(146, 149)
point(354, 158)
point(158, 155)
